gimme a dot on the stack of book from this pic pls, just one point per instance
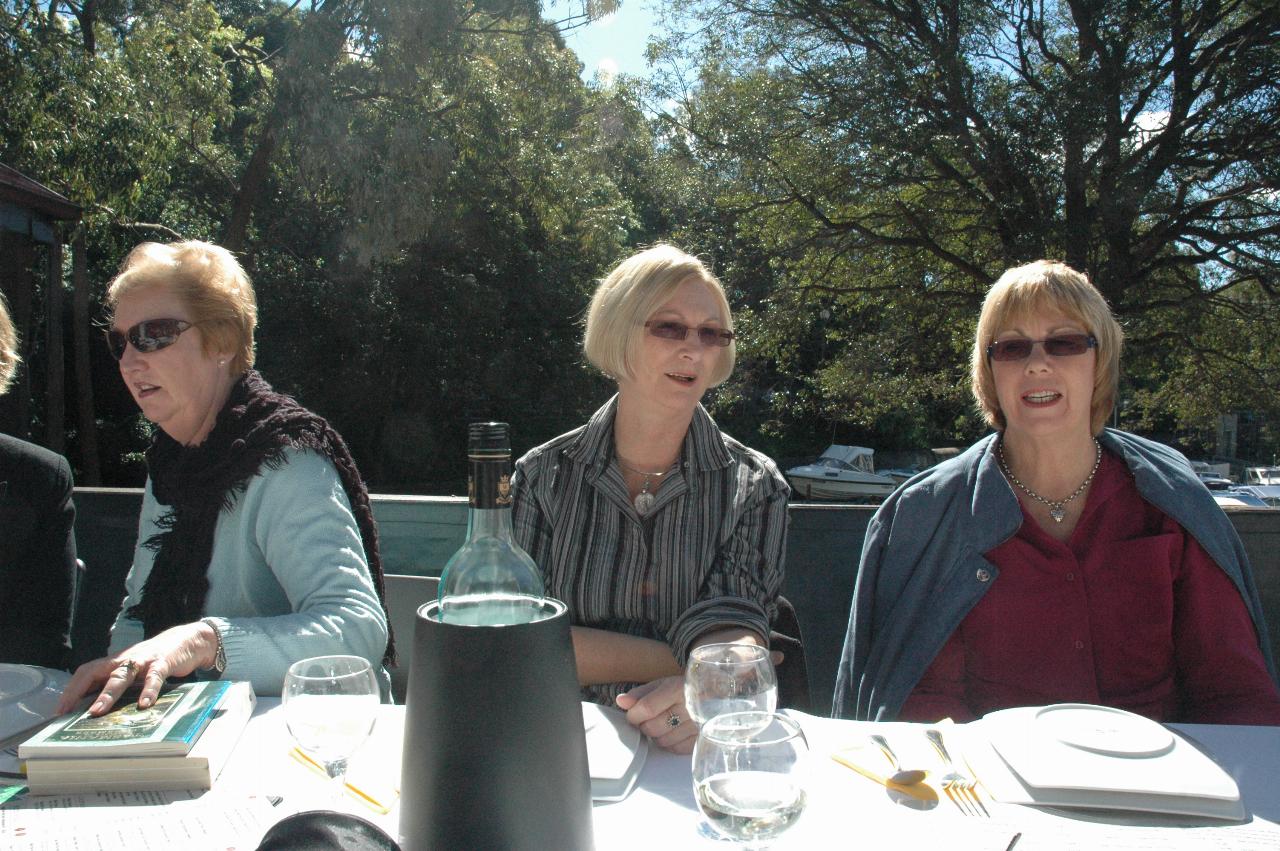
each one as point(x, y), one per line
point(182, 741)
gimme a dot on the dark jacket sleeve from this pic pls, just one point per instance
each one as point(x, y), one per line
point(38, 560)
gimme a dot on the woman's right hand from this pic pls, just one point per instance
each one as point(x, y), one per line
point(657, 709)
point(176, 652)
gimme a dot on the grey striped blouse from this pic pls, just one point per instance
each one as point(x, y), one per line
point(708, 555)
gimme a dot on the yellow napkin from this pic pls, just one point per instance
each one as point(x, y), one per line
point(869, 761)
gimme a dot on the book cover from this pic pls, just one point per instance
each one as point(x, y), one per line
point(110, 772)
point(169, 726)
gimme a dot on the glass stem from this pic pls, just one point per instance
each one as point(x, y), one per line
point(337, 771)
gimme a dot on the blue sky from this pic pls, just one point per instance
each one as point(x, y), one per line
point(614, 44)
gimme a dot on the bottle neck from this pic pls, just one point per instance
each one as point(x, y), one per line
point(490, 498)
point(488, 523)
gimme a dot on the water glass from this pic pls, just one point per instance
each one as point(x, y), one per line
point(748, 776)
point(723, 678)
point(330, 705)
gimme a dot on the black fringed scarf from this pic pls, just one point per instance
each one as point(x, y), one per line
point(253, 430)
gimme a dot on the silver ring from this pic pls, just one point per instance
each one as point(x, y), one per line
point(131, 667)
point(673, 720)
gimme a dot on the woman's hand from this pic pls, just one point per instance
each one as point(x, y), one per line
point(176, 652)
point(658, 709)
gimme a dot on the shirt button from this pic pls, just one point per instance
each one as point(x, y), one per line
point(1071, 577)
point(983, 575)
point(1079, 645)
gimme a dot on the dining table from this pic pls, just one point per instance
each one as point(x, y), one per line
point(265, 780)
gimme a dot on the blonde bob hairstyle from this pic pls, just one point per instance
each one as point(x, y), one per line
point(209, 281)
point(633, 292)
point(9, 358)
point(1047, 286)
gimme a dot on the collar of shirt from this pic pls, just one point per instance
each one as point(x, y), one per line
point(704, 448)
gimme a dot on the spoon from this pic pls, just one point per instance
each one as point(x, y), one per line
point(900, 776)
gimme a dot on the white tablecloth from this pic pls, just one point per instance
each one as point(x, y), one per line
point(845, 810)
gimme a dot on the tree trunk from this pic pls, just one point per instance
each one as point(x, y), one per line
point(87, 18)
point(87, 426)
point(253, 181)
point(55, 400)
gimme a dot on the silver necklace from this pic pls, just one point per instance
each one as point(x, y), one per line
point(644, 500)
point(1057, 510)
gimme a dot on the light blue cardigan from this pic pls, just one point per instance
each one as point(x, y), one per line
point(288, 578)
point(923, 569)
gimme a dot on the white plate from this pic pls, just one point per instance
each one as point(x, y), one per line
point(28, 695)
point(1103, 730)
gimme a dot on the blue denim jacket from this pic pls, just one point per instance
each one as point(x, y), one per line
point(923, 568)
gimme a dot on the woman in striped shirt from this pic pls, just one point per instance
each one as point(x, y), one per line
point(658, 531)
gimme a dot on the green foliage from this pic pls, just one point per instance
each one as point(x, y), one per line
point(888, 161)
point(422, 195)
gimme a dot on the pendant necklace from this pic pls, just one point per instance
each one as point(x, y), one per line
point(644, 500)
point(1057, 510)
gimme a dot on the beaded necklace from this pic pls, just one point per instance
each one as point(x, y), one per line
point(1057, 510)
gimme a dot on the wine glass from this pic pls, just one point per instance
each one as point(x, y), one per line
point(330, 704)
point(722, 678)
point(748, 772)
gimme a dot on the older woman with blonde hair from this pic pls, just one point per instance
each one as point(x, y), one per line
point(658, 531)
point(38, 549)
point(1056, 560)
point(256, 545)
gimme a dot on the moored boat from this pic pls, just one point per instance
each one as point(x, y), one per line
point(842, 473)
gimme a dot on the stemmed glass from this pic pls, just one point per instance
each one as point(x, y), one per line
point(748, 772)
point(330, 704)
point(723, 678)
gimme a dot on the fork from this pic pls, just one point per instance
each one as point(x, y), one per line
point(961, 789)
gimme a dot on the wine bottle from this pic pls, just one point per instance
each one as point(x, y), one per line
point(490, 581)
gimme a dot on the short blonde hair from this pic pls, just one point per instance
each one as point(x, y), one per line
point(9, 358)
point(1041, 287)
point(209, 281)
point(630, 294)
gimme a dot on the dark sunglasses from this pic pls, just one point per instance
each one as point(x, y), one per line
point(708, 337)
point(149, 335)
point(1062, 345)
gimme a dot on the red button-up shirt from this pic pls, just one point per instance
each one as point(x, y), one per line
point(1129, 612)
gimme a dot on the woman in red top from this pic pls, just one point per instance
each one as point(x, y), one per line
point(1099, 596)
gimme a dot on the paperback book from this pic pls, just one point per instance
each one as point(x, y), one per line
point(185, 748)
point(168, 727)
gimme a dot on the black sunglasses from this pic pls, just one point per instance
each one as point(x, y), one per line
point(1062, 345)
point(668, 330)
point(149, 335)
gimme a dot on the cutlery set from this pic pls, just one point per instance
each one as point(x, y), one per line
point(959, 788)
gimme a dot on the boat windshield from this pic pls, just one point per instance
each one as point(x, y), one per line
point(861, 464)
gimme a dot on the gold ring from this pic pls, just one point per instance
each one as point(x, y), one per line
point(673, 720)
point(130, 667)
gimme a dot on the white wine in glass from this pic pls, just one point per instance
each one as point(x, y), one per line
point(330, 705)
point(748, 770)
